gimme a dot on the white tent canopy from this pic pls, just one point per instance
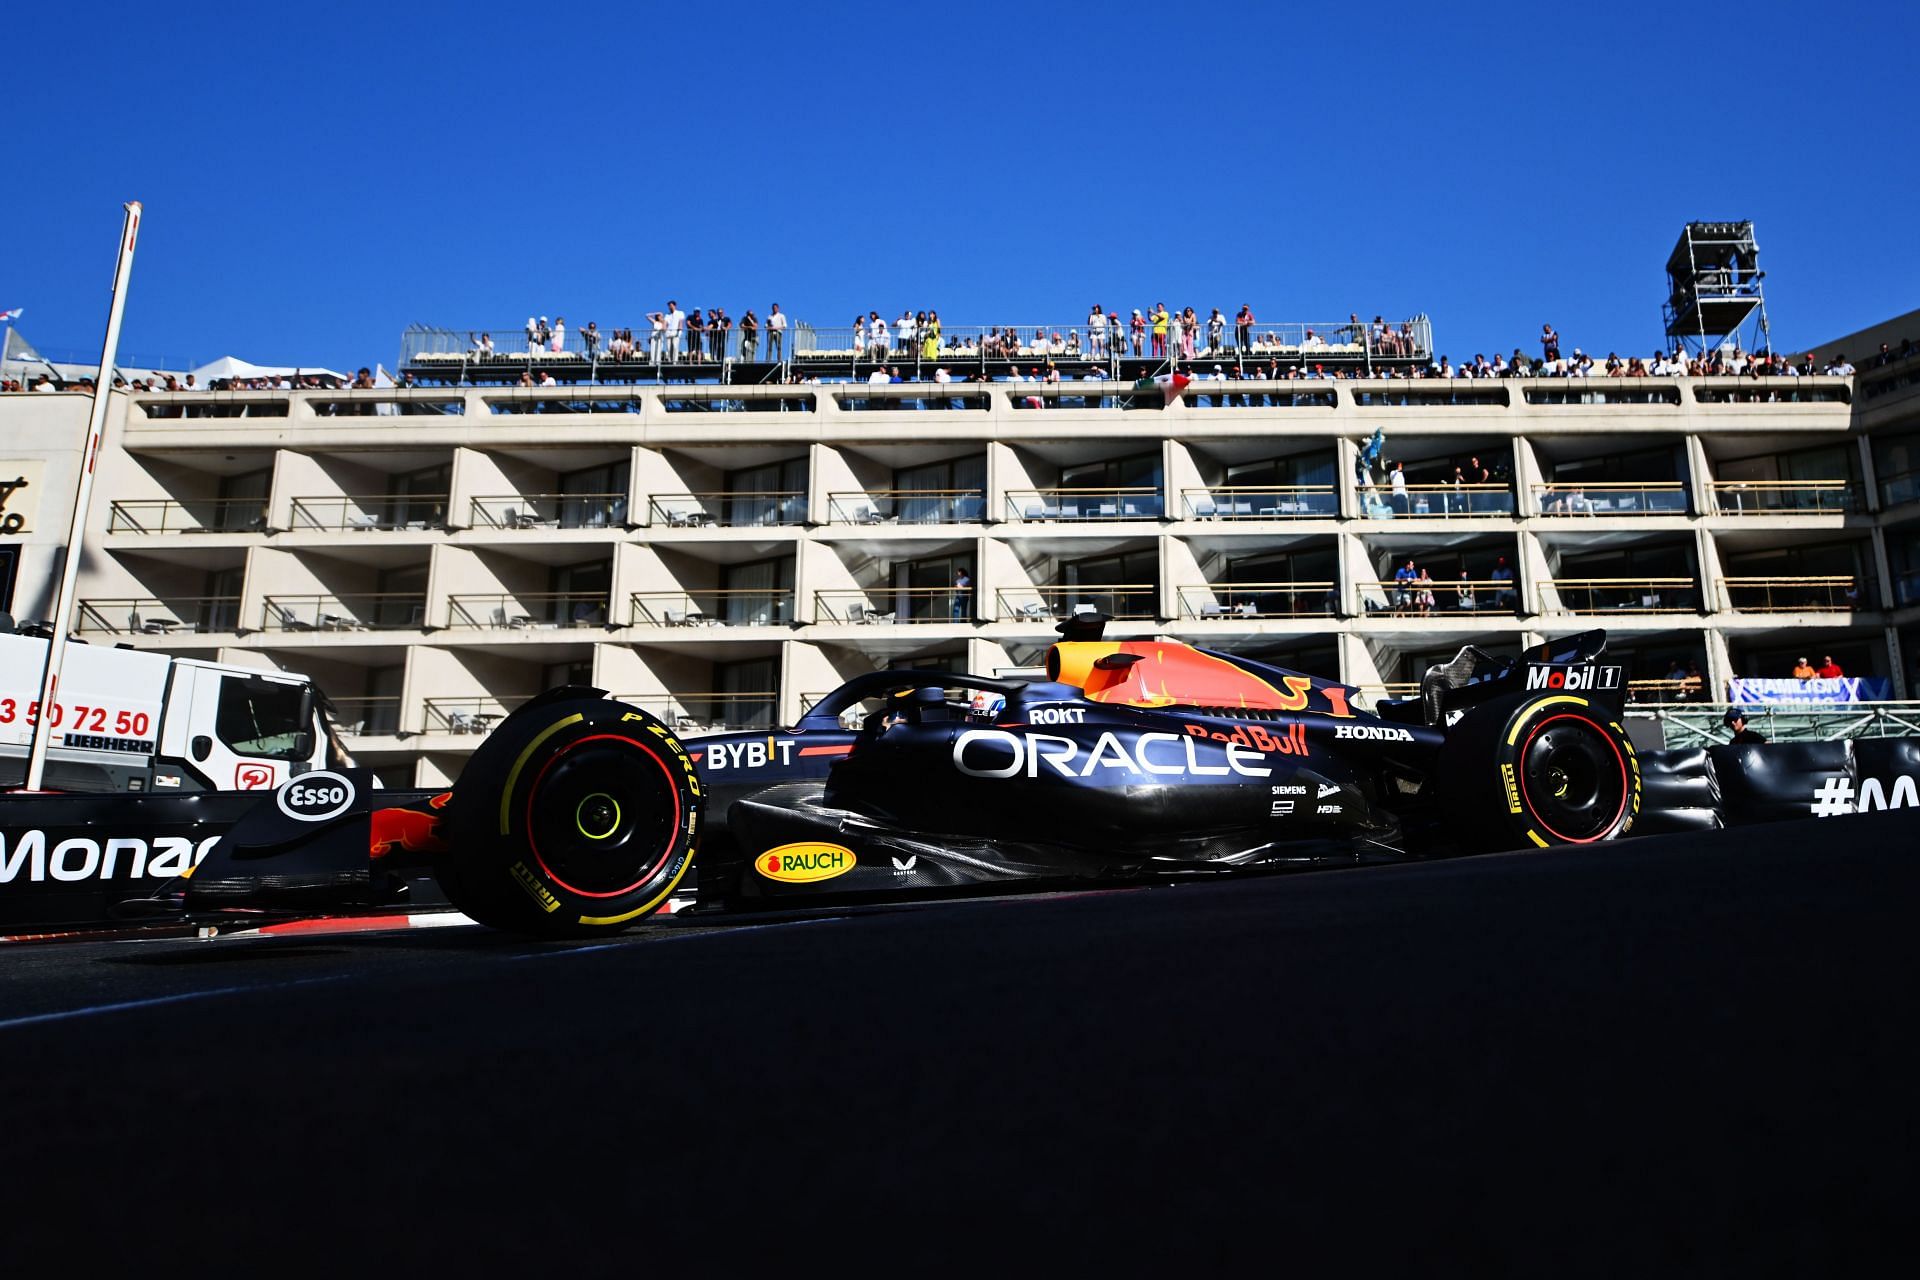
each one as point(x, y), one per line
point(233, 367)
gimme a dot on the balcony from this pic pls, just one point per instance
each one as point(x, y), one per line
point(1241, 600)
point(1440, 597)
point(1271, 502)
point(1899, 487)
point(1029, 505)
point(908, 506)
point(1832, 593)
point(1783, 497)
point(365, 717)
point(1131, 602)
point(372, 611)
point(527, 610)
point(728, 510)
point(1613, 498)
point(739, 607)
point(709, 712)
point(154, 616)
point(213, 515)
point(896, 604)
point(549, 511)
point(470, 714)
point(1438, 501)
point(370, 513)
point(1626, 595)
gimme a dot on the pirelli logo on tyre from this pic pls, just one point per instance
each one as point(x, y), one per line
point(535, 890)
point(805, 862)
point(1512, 785)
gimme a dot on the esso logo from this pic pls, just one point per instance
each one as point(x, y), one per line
point(315, 797)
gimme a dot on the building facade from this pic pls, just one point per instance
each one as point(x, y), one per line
point(722, 554)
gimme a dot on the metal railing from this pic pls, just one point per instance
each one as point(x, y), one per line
point(210, 515)
point(524, 610)
point(908, 506)
point(370, 513)
point(1261, 502)
point(737, 607)
point(1221, 602)
point(728, 510)
point(888, 605)
point(1624, 595)
point(550, 511)
point(1608, 391)
point(476, 714)
point(1613, 498)
point(709, 712)
point(1783, 497)
point(1736, 389)
point(1030, 505)
point(1122, 602)
point(1826, 593)
point(367, 716)
point(1438, 597)
point(159, 616)
point(369, 611)
point(1381, 502)
point(1702, 724)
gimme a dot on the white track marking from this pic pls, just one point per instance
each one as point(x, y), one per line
point(123, 1006)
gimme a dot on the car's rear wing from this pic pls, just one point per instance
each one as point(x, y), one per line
point(1572, 664)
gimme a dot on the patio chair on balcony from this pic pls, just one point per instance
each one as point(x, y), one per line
point(1203, 509)
point(364, 521)
point(288, 620)
point(866, 513)
point(1213, 609)
point(1033, 611)
point(511, 621)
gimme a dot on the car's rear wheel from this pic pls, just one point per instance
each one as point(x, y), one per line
point(576, 816)
point(1531, 770)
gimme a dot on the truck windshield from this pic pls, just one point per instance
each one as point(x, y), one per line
point(261, 718)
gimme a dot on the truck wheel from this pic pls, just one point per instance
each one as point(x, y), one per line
point(1531, 770)
point(575, 816)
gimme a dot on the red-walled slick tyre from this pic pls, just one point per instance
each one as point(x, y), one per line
point(1531, 770)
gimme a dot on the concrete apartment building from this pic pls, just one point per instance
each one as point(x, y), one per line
point(721, 554)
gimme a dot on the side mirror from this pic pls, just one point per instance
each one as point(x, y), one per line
point(202, 746)
point(303, 744)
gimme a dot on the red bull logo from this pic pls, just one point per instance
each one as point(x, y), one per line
point(406, 830)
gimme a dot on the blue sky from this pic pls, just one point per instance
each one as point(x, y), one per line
point(313, 183)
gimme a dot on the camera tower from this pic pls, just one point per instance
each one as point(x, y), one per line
point(1714, 292)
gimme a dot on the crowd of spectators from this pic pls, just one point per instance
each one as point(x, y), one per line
point(1417, 593)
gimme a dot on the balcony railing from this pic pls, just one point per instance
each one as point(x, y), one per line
point(366, 717)
point(1123, 602)
point(156, 616)
point(1783, 497)
point(728, 510)
point(907, 506)
point(1613, 498)
point(1439, 597)
point(1380, 502)
point(709, 712)
point(1083, 504)
point(1899, 487)
point(550, 511)
point(1270, 502)
point(1833, 593)
point(372, 611)
point(469, 715)
point(1232, 601)
point(737, 607)
point(211, 515)
point(888, 605)
point(524, 610)
point(1626, 595)
point(380, 512)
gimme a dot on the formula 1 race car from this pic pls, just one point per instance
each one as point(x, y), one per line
point(1131, 759)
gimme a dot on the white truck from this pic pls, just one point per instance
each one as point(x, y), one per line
point(129, 720)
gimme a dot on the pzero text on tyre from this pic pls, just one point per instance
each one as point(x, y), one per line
point(577, 815)
point(1529, 770)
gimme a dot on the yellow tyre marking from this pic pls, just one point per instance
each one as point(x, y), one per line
point(513, 774)
point(649, 905)
point(1544, 702)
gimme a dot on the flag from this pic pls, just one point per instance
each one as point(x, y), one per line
point(14, 314)
point(1169, 385)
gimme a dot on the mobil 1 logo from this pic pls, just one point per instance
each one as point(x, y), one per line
point(315, 797)
point(1574, 677)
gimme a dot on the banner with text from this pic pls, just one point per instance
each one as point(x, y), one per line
point(1838, 689)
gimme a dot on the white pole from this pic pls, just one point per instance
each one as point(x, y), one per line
point(83, 491)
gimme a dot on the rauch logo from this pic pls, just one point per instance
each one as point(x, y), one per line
point(805, 862)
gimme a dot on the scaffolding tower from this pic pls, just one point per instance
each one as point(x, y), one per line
point(1714, 291)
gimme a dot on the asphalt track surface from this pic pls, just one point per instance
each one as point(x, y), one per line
point(1688, 1054)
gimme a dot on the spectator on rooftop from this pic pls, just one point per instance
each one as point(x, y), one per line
point(1549, 343)
point(749, 336)
point(776, 334)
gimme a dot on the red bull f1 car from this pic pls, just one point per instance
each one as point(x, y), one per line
point(1129, 760)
